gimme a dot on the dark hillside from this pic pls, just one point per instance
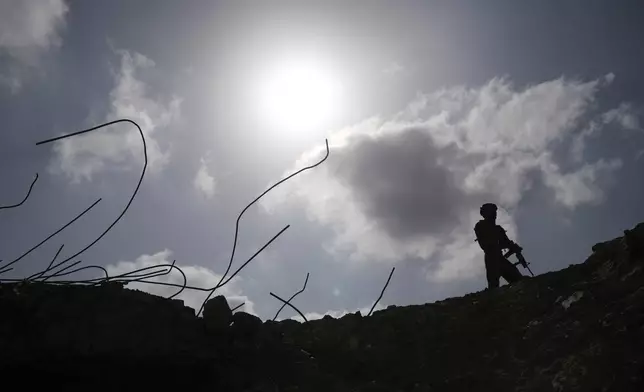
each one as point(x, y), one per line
point(578, 329)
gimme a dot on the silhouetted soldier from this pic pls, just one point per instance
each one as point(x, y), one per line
point(492, 239)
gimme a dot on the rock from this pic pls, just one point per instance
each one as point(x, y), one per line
point(114, 285)
point(635, 244)
point(245, 325)
point(217, 314)
point(289, 325)
point(604, 248)
point(572, 299)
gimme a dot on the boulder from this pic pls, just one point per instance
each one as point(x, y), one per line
point(245, 325)
point(217, 314)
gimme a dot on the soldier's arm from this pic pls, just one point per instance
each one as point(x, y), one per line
point(506, 242)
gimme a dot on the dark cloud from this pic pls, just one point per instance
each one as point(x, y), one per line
point(403, 183)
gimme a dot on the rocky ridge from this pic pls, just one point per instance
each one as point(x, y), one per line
point(577, 329)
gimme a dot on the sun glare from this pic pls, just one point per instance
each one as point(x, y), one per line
point(299, 96)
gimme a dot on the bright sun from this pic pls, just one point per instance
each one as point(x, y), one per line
point(299, 96)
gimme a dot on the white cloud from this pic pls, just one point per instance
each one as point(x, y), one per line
point(26, 23)
point(196, 275)
point(120, 147)
point(27, 29)
point(580, 186)
point(579, 142)
point(624, 116)
point(203, 181)
point(410, 187)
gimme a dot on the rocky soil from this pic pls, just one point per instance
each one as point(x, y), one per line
point(578, 329)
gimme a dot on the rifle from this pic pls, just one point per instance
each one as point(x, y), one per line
point(516, 249)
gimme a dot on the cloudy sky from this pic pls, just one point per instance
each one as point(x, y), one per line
point(430, 108)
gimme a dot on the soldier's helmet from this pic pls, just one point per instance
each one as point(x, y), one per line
point(488, 210)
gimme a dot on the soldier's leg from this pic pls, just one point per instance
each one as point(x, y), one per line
point(492, 271)
point(509, 271)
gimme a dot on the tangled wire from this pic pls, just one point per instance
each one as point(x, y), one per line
point(67, 267)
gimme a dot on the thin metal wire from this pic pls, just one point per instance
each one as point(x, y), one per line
point(185, 280)
point(81, 269)
point(128, 277)
point(25, 198)
point(135, 276)
point(232, 255)
point(48, 267)
point(293, 296)
point(168, 284)
point(185, 286)
point(139, 278)
point(52, 267)
point(59, 272)
point(211, 290)
point(2, 270)
point(292, 306)
point(238, 306)
point(383, 291)
point(128, 274)
point(138, 275)
point(255, 255)
point(138, 185)
point(132, 275)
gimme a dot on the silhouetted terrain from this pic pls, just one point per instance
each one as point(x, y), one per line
point(578, 329)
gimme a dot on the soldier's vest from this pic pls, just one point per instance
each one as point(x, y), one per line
point(491, 233)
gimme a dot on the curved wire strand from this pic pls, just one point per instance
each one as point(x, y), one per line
point(132, 277)
point(61, 271)
point(293, 296)
point(81, 269)
point(2, 270)
point(383, 291)
point(39, 274)
point(256, 253)
point(185, 282)
point(168, 284)
point(292, 306)
point(232, 255)
point(138, 185)
point(182, 287)
point(212, 290)
point(123, 277)
point(25, 198)
point(132, 273)
point(128, 274)
point(139, 275)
